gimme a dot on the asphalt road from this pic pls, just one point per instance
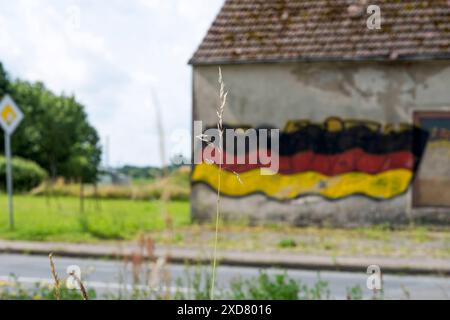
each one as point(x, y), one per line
point(109, 276)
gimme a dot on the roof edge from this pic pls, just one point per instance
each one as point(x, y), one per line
point(206, 33)
point(193, 62)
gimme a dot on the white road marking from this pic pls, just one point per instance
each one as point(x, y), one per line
point(8, 280)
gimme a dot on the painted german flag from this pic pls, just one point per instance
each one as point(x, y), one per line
point(334, 160)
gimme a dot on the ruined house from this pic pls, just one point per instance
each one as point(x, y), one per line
point(364, 113)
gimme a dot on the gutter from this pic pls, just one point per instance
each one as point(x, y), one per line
point(403, 58)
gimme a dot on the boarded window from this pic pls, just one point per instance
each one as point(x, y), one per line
point(432, 184)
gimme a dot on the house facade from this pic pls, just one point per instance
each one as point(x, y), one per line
point(364, 114)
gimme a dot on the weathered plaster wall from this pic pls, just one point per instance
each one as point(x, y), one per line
point(272, 94)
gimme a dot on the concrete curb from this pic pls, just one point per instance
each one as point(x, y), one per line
point(234, 258)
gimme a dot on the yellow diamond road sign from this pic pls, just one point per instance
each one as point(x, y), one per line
point(10, 115)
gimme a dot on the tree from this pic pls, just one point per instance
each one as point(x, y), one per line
point(55, 131)
point(4, 81)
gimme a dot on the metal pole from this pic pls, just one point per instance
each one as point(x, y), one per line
point(9, 184)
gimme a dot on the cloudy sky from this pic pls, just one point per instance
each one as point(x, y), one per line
point(112, 54)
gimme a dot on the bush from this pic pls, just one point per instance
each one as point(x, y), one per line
point(26, 174)
point(287, 243)
point(277, 287)
point(265, 287)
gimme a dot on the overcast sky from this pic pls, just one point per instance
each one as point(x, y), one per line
point(110, 54)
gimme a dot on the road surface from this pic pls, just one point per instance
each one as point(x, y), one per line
point(109, 276)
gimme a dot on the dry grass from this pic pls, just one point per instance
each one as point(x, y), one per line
point(172, 187)
point(81, 285)
point(57, 286)
point(407, 242)
point(150, 275)
point(55, 278)
point(220, 110)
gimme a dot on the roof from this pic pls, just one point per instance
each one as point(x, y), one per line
point(251, 31)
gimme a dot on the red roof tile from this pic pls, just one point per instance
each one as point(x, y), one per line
point(285, 30)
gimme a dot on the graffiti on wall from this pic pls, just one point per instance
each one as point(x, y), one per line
point(335, 159)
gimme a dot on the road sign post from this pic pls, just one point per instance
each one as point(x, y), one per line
point(10, 117)
point(9, 184)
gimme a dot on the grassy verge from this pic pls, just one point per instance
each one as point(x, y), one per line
point(409, 242)
point(59, 219)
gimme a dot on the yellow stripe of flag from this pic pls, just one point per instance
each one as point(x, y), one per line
point(384, 185)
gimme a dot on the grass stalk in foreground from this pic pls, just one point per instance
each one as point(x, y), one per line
point(57, 291)
point(223, 100)
point(55, 278)
point(81, 285)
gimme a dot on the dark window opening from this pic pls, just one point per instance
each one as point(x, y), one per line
point(432, 184)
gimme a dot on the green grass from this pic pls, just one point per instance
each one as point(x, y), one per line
point(124, 219)
point(287, 243)
point(59, 219)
